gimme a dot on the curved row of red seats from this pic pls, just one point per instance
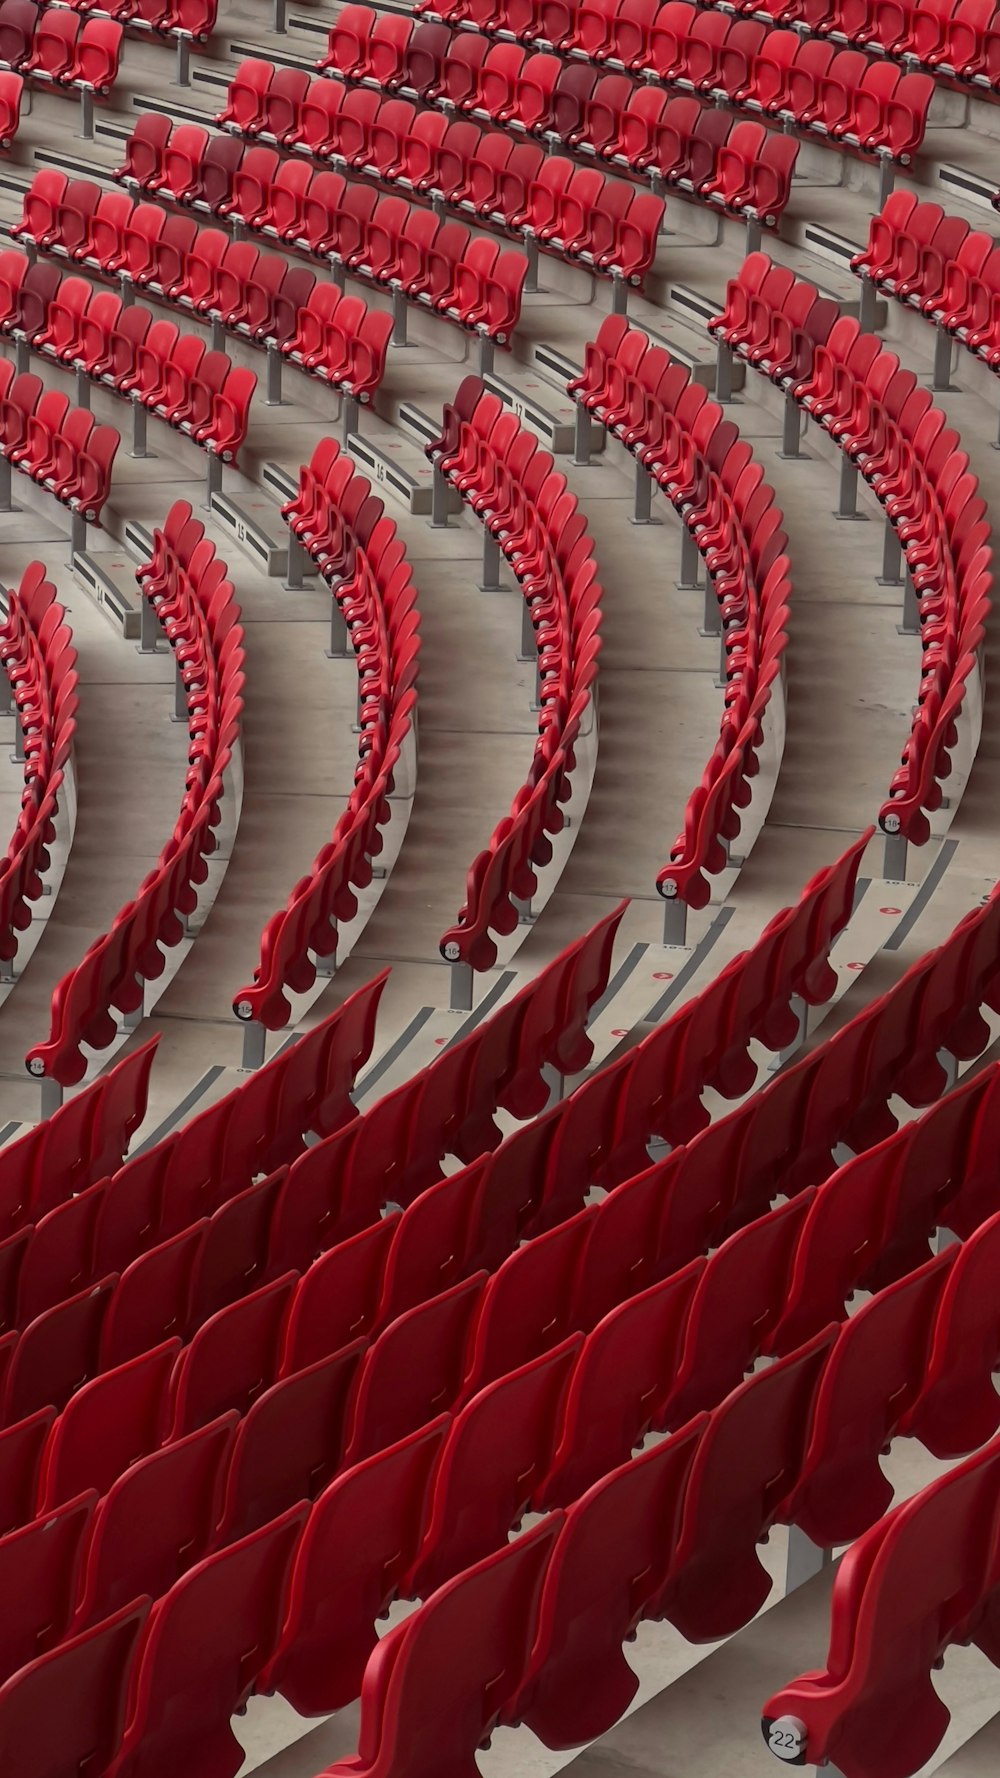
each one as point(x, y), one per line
point(939, 265)
point(575, 211)
point(146, 1220)
point(126, 349)
point(259, 297)
point(734, 163)
point(195, 19)
point(61, 448)
point(523, 501)
point(709, 474)
point(954, 39)
point(196, 606)
point(923, 1579)
point(840, 95)
point(854, 387)
point(345, 529)
point(38, 657)
point(56, 45)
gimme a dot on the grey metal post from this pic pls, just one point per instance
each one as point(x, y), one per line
point(490, 582)
point(327, 966)
point(528, 650)
point(805, 1559)
point(525, 916)
point(886, 179)
point(711, 623)
point(724, 373)
point(17, 757)
point(690, 563)
point(350, 417)
point(531, 253)
point(675, 917)
point(87, 113)
point(52, 1096)
point(753, 235)
point(910, 625)
point(149, 629)
point(439, 500)
point(5, 475)
point(138, 446)
point(213, 479)
point(868, 306)
point(894, 857)
point(581, 436)
point(642, 507)
point(132, 1020)
point(180, 696)
point(278, 24)
point(22, 358)
point(460, 988)
point(77, 535)
point(218, 339)
point(339, 271)
point(82, 388)
point(339, 638)
point(487, 350)
point(791, 429)
point(6, 695)
point(273, 394)
point(126, 290)
point(619, 294)
point(254, 1040)
point(847, 504)
point(296, 558)
point(941, 377)
point(892, 556)
point(398, 318)
point(183, 75)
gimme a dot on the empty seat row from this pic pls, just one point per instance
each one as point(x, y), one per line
point(702, 150)
point(61, 448)
point(956, 39)
point(345, 529)
point(574, 211)
point(524, 503)
point(842, 95)
point(193, 19)
point(886, 423)
point(259, 297)
point(199, 613)
point(39, 659)
point(922, 1580)
point(55, 44)
point(937, 264)
point(151, 362)
point(709, 474)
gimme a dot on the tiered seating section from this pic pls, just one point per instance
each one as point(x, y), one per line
point(524, 503)
point(195, 604)
point(578, 213)
point(735, 164)
point(441, 265)
point(878, 414)
point(59, 447)
point(696, 456)
point(955, 42)
point(38, 657)
point(358, 551)
point(126, 349)
point(940, 266)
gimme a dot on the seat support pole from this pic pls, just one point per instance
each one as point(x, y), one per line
point(254, 1039)
point(149, 629)
point(941, 378)
point(183, 74)
point(894, 857)
point(6, 504)
point(581, 436)
point(619, 295)
point(490, 582)
point(77, 535)
point(52, 1096)
point(439, 500)
point(753, 235)
point(805, 1559)
point(338, 649)
point(642, 508)
point(82, 389)
point(531, 284)
point(487, 350)
point(138, 446)
point(724, 373)
point(296, 558)
point(791, 429)
point(867, 308)
point(886, 179)
point(847, 504)
point(87, 113)
point(892, 556)
point(273, 395)
point(350, 418)
point(910, 625)
point(398, 318)
point(460, 990)
point(213, 480)
point(690, 570)
point(675, 917)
